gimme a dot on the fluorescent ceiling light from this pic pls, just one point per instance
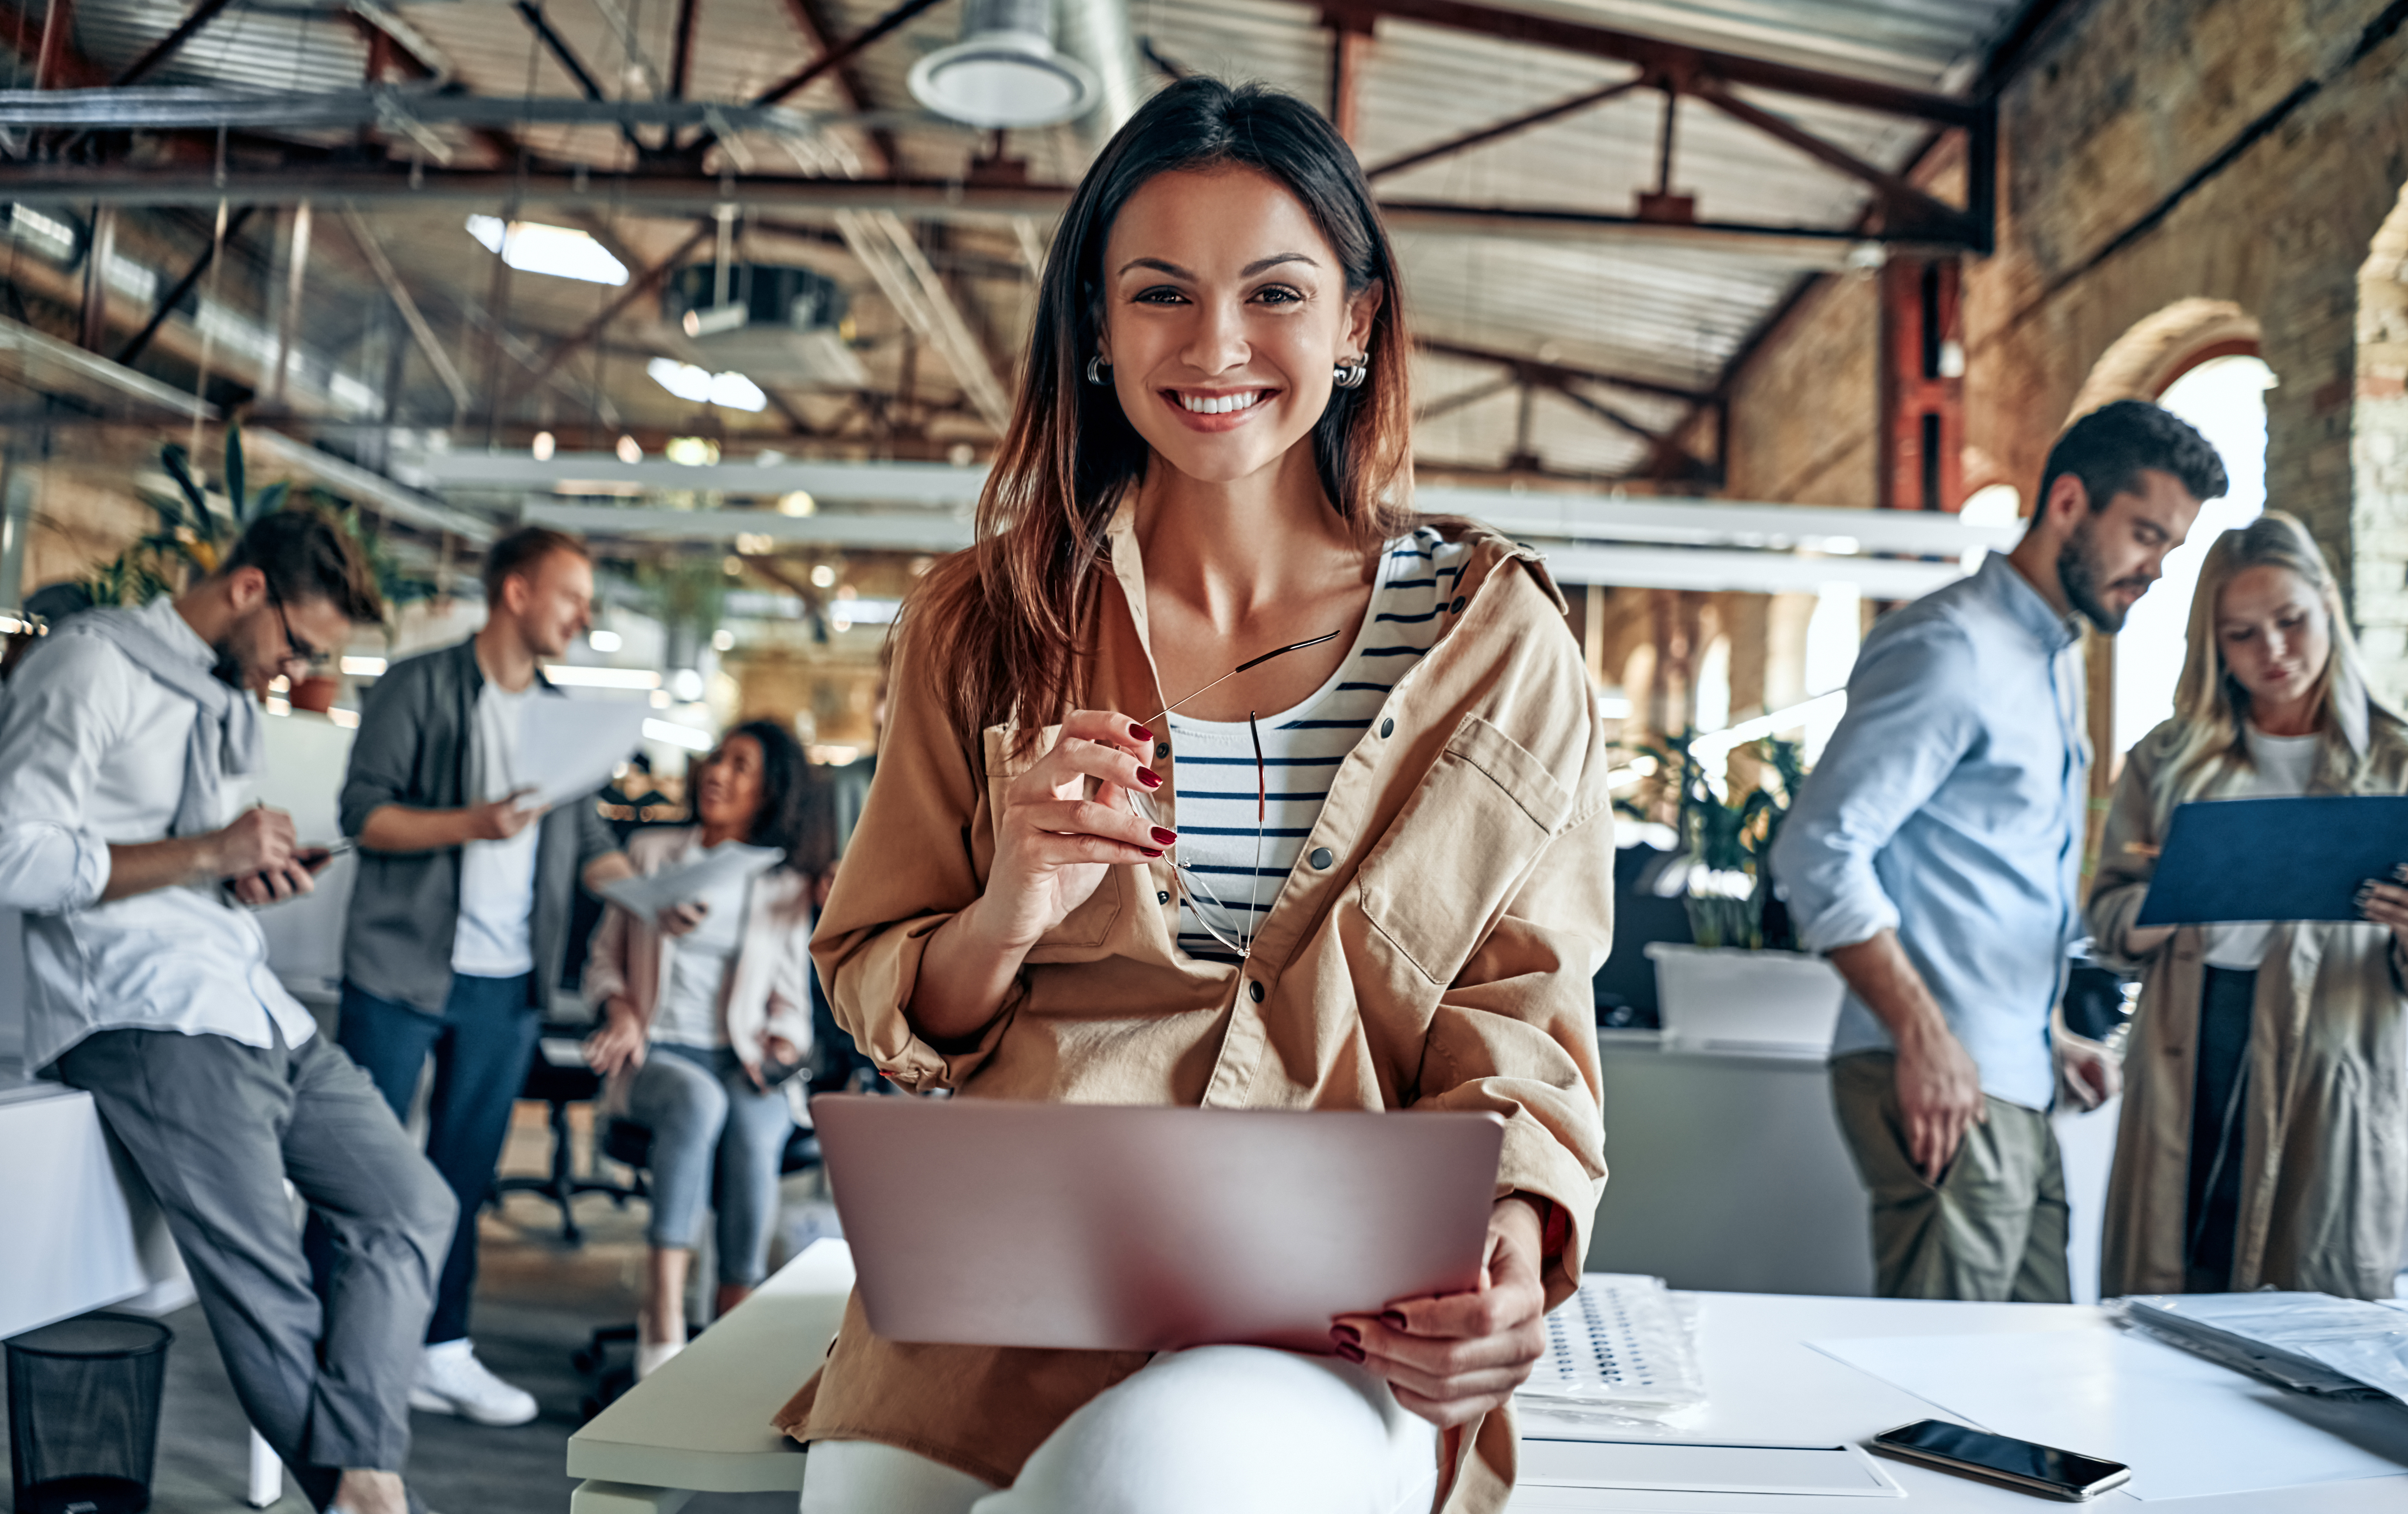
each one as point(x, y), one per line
point(363, 667)
point(570, 677)
point(603, 641)
point(532, 246)
point(728, 391)
point(678, 735)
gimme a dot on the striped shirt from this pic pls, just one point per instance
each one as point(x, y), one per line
point(1219, 803)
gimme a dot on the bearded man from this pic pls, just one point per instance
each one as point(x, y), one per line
point(1934, 856)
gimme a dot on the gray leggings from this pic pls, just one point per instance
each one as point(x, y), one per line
point(699, 1105)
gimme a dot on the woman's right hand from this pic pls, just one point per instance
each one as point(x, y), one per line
point(620, 1042)
point(1052, 843)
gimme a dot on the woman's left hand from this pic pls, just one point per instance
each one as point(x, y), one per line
point(2386, 904)
point(773, 1049)
point(1454, 1358)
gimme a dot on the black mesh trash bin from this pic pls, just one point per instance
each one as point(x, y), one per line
point(83, 1414)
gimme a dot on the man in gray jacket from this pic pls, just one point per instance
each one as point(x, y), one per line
point(459, 921)
point(149, 987)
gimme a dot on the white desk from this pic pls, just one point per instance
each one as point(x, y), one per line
point(81, 1235)
point(702, 1422)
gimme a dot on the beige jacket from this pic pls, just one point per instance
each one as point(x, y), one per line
point(2324, 1180)
point(1442, 962)
point(768, 993)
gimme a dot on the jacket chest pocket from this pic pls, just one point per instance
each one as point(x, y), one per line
point(1446, 869)
point(1086, 927)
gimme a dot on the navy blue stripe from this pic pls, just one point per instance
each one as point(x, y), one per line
point(1363, 724)
point(1239, 872)
point(1408, 551)
point(1248, 793)
point(1372, 688)
point(1394, 651)
point(1239, 830)
point(1420, 583)
point(1455, 572)
point(1406, 620)
point(1267, 762)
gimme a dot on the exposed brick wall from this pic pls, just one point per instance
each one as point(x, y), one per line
point(2379, 451)
point(2104, 128)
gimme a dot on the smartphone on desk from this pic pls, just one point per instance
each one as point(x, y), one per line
point(2015, 1464)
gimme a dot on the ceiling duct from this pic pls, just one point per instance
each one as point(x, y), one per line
point(1005, 71)
point(777, 323)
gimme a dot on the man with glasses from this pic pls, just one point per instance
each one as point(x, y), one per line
point(460, 921)
point(149, 987)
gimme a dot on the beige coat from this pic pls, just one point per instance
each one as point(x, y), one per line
point(2324, 1177)
point(768, 993)
point(1441, 962)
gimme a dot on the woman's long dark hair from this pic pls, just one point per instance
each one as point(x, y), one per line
point(1000, 627)
point(788, 818)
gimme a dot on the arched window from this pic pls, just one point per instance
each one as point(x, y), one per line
point(2225, 397)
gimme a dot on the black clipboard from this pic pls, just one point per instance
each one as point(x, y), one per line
point(2232, 859)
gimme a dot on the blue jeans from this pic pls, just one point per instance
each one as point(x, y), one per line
point(480, 1043)
point(700, 1104)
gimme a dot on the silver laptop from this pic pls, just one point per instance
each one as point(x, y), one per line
point(1108, 1227)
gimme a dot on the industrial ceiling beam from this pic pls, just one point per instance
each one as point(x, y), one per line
point(165, 48)
point(638, 287)
point(565, 55)
point(174, 296)
point(1542, 371)
point(1904, 205)
point(678, 194)
point(1503, 129)
point(1676, 58)
point(826, 62)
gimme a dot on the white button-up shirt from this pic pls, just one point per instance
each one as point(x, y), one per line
point(92, 752)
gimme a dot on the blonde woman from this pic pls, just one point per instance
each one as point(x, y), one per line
point(2265, 1128)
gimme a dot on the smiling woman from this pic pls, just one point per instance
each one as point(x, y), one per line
point(1173, 758)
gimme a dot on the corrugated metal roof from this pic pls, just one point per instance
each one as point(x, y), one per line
point(1670, 315)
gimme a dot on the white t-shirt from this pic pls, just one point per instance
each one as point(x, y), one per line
point(495, 933)
point(2282, 768)
point(699, 963)
point(1412, 602)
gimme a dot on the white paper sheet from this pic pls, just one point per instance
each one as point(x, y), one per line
point(2186, 1426)
point(646, 897)
point(568, 747)
point(1693, 1466)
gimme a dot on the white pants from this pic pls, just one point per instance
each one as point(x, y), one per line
point(1206, 1431)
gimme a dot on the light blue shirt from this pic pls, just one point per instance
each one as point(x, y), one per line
point(1949, 806)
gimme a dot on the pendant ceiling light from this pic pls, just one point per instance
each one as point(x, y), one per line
point(1005, 71)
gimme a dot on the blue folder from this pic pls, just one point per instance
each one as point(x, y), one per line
point(2275, 859)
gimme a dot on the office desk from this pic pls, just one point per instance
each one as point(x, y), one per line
point(702, 1422)
point(75, 1233)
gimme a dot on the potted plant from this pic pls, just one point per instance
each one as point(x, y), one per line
point(1741, 986)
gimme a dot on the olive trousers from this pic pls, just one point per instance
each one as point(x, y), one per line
point(1992, 1229)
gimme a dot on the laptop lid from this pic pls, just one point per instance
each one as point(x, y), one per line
point(1105, 1227)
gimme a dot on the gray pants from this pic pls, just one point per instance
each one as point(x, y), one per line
point(701, 1105)
point(1993, 1229)
point(216, 1127)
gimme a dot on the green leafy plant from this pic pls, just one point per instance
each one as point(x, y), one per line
point(1723, 837)
point(192, 537)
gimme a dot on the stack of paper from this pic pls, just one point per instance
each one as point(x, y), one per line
point(688, 881)
point(568, 747)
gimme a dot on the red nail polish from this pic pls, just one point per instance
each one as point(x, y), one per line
point(1394, 1319)
point(1148, 777)
point(1150, 851)
point(1165, 838)
point(1345, 1335)
point(1351, 1353)
point(1139, 733)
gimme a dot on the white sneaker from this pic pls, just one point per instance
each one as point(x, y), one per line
point(451, 1380)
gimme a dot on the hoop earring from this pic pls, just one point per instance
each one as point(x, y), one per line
point(1098, 371)
point(1351, 375)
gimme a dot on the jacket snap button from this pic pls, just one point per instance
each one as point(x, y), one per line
point(1456, 608)
point(1254, 991)
point(1162, 896)
point(1162, 749)
point(1386, 727)
point(1321, 859)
